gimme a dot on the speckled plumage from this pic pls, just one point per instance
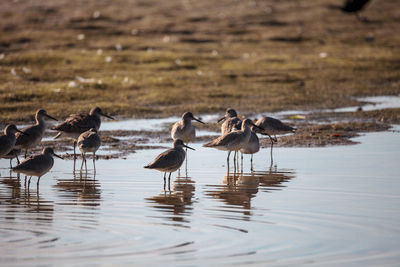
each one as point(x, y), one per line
point(76, 124)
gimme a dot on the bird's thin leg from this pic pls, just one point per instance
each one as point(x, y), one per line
point(94, 161)
point(169, 182)
point(241, 162)
point(74, 149)
point(251, 162)
point(25, 181)
point(272, 146)
point(37, 184)
point(83, 158)
point(85, 163)
point(234, 162)
point(29, 182)
point(16, 155)
point(10, 163)
point(237, 160)
point(164, 180)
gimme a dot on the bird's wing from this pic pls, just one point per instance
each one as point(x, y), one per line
point(32, 162)
point(88, 139)
point(165, 159)
point(31, 134)
point(225, 140)
point(76, 123)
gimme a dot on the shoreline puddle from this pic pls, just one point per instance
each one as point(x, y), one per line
point(327, 205)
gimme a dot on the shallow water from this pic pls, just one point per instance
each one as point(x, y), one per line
point(370, 103)
point(328, 206)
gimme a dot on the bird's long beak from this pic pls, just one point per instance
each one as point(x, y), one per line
point(50, 117)
point(222, 119)
point(58, 156)
point(189, 147)
point(107, 116)
point(22, 132)
point(198, 120)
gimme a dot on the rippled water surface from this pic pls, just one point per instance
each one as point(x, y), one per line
point(328, 206)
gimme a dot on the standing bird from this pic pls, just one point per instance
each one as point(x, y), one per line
point(273, 126)
point(37, 165)
point(231, 121)
point(251, 147)
point(7, 142)
point(76, 124)
point(170, 160)
point(183, 129)
point(233, 141)
point(34, 133)
point(354, 6)
point(89, 141)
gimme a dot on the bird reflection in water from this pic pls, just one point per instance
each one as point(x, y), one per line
point(239, 189)
point(176, 203)
point(83, 189)
point(17, 201)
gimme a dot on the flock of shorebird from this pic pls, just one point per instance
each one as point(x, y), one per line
point(236, 135)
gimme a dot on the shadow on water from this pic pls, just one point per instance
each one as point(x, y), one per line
point(83, 189)
point(238, 189)
point(177, 202)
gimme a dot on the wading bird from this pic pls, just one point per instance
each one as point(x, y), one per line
point(233, 141)
point(7, 142)
point(76, 124)
point(37, 165)
point(251, 147)
point(170, 160)
point(231, 122)
point(89, 141)
point(34, 133)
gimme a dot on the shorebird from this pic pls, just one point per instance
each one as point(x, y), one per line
point(34, 133)
point(37, 165)
point(273, 126)
point(76, 124)
point(233, 141)
point(183, 129)
point(251, 147)
point(89, 141)
point(7, 142)
point(170, 160)
point(231, 121)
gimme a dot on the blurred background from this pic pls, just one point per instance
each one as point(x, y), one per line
point(151, 58)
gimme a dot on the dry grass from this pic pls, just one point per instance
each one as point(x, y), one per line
point(201, 56)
